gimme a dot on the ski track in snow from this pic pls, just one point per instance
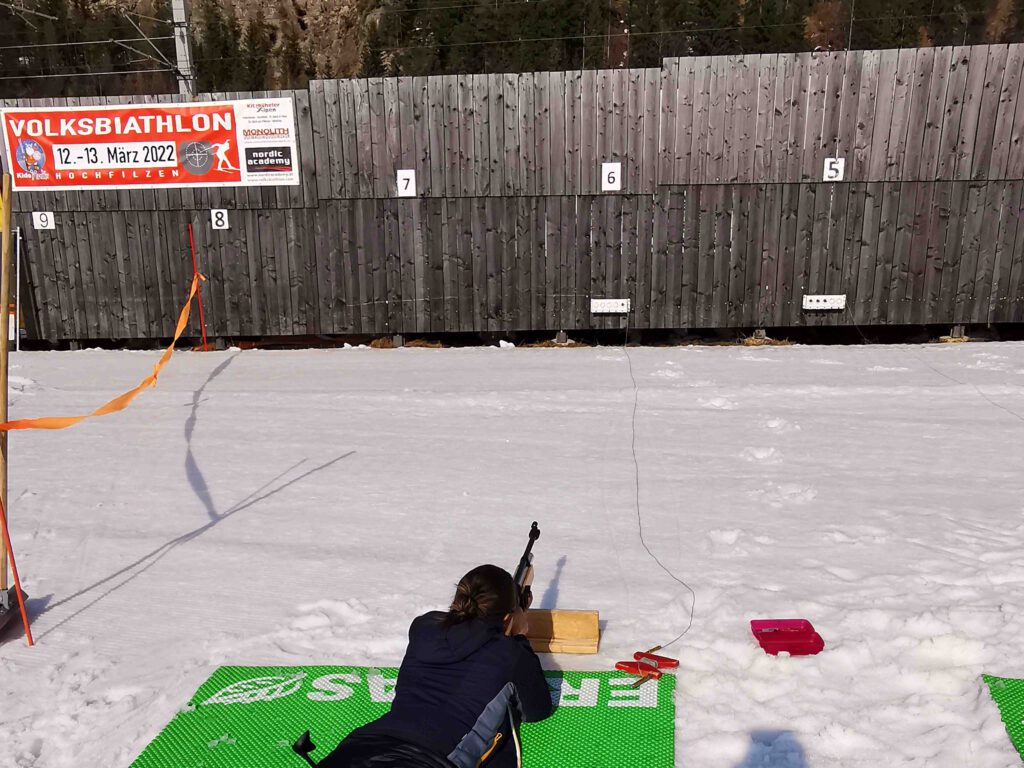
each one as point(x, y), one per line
point(302, 507)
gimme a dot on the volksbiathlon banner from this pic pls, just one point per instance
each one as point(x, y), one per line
point(249, 142)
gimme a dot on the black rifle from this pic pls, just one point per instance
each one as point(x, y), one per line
point(524, 572)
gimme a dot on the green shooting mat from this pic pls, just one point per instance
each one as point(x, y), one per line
point(248, 717)
point(1009, 697)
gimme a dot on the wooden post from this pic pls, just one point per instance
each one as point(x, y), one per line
point(5, 295)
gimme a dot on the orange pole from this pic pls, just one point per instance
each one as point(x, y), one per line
point(17, 580)
point(199, 295)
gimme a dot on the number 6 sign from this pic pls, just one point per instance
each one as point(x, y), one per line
point(834, 168)
point(611, 177)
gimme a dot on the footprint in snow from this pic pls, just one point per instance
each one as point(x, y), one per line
point(717, 403)
point(763, 455)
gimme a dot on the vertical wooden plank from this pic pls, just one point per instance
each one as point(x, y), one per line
point(421, 139)
point(784, 105)
point(658, 283)
point(958, 141)
point(912, 67)
point(943, 70)
point(878, 158)
point(650, 84)
point(437, 158)
point(393, 266)
point(454, 159)
point(918, 258)
point(1004, 134)
point(838, 78)
point(306, 194)
point(691, 248)
point(987, 251)
point(866, 116)
point(798, 118)
point(978, 157)
point(629, 249)
point(785, 274)
point(546, 245)
point(820, 245)
point(320, 149)
point(524, 255)
point(556, 135)
point(590, 168)
point(717, 124)
point(867, 247)
point(679, 136)
point(900, 274)
point(573, 131)
point(528, 135)
point(481, 141)
point(668, 117)
point(803, 253)
point(739, 254)
point(496, 132)
point(360, 263)
point(393, 150)
point(926, 301)
point(364, 138)
point(335, 179)
point(337, 281)
point(618, 126)
point(1015, 158)
point(768, 250)
point(710, 203)
point(348, 129)
point(633, 135)
point(407, 142)
point(374, 215)
point(434, 251)
point(819, 68)
point(843, 205)
point(745, 111)
point(948, 117)
point(698, 162)
point(886, 252)
point(766, 74)
point(849, 106)
point(383, 160)
point(542, 131)
point(510, 102)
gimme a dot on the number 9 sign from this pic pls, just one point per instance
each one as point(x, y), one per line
point(43, 220)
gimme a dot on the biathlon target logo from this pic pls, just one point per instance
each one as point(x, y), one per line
point(31, 157)
point(196, 157)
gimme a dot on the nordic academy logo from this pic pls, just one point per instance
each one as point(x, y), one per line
point(380, 689)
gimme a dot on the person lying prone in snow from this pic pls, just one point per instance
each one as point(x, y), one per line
point(468, 679)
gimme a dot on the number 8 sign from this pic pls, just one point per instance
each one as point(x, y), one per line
point(219, 218)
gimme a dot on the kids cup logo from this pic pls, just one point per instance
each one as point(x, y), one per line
point(31, 157)
point(258, 689)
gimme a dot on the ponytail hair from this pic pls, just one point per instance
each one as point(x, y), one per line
point(486, 592)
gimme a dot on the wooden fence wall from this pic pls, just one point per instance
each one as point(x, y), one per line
point(722, 219)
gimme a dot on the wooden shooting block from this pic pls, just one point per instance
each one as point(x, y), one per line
point(553, 631)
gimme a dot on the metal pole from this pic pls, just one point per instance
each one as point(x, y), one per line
point(5, 309)
point(183, 49)
point(17, 289)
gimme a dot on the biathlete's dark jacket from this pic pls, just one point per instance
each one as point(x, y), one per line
point(461, 693)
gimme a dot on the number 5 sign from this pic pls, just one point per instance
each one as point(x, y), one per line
point(834, 168)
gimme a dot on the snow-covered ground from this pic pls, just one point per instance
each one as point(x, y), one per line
point(302, 507)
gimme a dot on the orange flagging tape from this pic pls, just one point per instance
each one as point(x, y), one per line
point(120, 402)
